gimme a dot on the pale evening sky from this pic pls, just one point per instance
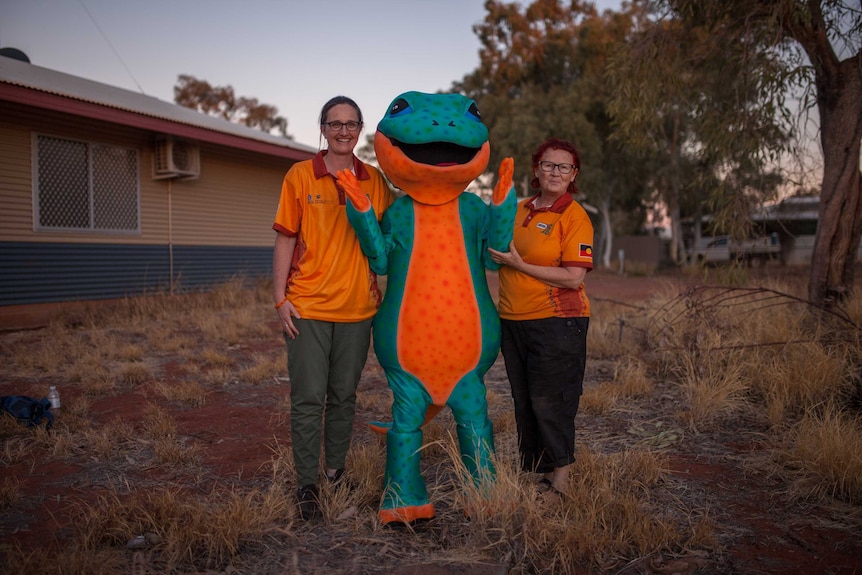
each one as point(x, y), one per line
point(292, 54)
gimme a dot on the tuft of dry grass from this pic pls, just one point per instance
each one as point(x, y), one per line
point(263, 368)
point(133, 373)
point(186, 530)
point(158, 423)
point(171, 451)
point(826, 454)
point(630, 380)
point(189, 393)
point(216, 358)
point(714, 390)
point(9, 490)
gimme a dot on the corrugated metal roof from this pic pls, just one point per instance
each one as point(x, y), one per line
point(49, 81)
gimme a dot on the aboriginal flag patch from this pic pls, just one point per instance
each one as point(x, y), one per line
point(586, 251)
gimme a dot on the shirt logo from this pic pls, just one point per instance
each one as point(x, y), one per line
point(546, 228)
point(585, 251)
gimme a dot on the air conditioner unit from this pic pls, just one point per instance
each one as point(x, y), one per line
point(175, 158)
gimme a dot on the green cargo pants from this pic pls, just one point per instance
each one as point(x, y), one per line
point(324, 363)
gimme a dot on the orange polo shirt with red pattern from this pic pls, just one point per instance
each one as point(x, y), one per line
point(329, 279)
point(561, 235)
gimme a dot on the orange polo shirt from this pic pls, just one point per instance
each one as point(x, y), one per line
point(329, 279)
point(561, 235)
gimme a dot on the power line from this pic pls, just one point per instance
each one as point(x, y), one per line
point(117, 54)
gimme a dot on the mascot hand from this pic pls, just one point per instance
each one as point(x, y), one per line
point(350, 185)
point(504, 181)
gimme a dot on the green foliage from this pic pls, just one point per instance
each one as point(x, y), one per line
point(699, 102)
point(542, 74)
point(221, 102)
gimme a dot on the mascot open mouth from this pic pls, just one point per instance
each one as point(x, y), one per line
point(437, 153)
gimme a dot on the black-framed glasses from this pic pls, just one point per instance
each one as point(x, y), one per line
point(336, 126)
point(563, 168)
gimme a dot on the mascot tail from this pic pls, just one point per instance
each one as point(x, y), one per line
point(383, 427)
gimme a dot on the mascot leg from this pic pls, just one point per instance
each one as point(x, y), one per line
point(477, 448)
point(475, 432)
point(405, 498)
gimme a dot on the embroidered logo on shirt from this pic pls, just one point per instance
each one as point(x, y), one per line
point(546, 228)
point(585, 251)
point(317, 199)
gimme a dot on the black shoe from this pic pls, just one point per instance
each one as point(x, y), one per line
point(335, 478)
point(340, 482)
point(309, 502)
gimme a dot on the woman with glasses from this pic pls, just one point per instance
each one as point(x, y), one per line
point(545, 313)
point(325, 295)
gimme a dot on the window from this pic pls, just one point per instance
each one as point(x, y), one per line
point(86, 186)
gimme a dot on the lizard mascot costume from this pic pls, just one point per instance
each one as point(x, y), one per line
point(437, 331)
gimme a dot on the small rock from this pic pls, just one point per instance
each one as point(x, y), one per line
point(139, 542)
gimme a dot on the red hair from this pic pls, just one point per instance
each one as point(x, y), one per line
point(556, 144)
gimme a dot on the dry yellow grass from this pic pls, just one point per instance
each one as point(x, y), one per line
point(630, 380)
point(9, 488)
point(826, 454)
point(719, 360)
point(263, 368)
point(189, 393)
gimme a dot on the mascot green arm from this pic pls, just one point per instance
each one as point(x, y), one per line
point(361, 216)
point(501, 213)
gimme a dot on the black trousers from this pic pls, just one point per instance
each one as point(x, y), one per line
point(545, 361)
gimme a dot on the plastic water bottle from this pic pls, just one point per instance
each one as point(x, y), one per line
point(54, 397)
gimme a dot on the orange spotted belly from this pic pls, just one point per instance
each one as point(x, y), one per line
point(439, 330)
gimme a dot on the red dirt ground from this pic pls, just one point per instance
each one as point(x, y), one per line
point(761, 531)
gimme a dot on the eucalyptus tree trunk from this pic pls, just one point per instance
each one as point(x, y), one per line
point(607, 240)
point(836, 246)
point(673, 201)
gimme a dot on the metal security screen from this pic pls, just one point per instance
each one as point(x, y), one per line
point(86, 186)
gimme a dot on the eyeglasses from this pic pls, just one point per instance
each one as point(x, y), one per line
point(336, 126)
point(563, 168)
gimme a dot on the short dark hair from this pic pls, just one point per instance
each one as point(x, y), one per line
point(336, 101)
point(556, 144)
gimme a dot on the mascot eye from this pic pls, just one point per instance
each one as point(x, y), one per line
point(399, 106)
point(474, 111)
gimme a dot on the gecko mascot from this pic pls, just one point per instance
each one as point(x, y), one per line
point(437, 331)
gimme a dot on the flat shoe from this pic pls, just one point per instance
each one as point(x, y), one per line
point(545, 486)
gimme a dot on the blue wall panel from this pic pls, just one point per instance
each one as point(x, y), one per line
point(37, 272)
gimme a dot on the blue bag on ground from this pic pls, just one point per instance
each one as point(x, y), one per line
point(28, 410)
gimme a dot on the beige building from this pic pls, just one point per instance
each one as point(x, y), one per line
point(107, 193)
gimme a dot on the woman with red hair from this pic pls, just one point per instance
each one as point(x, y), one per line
point(545, 313)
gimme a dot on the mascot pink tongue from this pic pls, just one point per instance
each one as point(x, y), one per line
point(437, 332)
